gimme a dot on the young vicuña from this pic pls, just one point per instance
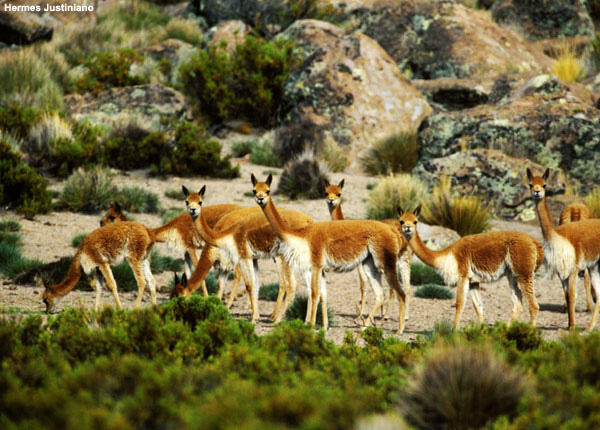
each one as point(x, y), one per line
point(106, 246)
point(569, 248)
point(335, 245)
point(481, 257)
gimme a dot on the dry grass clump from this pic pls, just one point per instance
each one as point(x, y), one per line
point(88, 190)
point(396, 153)
point(46, 132)
point(462, 387)
point(402, 190)
point(568, 65)
point(26, 80)
point(592, 201)
point(333, 155)
point(464, 214)
point(184, 29)
point(304, 178)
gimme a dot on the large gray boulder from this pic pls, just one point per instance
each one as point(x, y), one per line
point(22, 28)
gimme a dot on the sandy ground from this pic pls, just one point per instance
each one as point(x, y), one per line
point(48, 238)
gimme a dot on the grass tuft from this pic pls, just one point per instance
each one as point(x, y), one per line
point(137, 199)
point(175, 194)
point(402, 190)
point(297, 311)
point(269, 292)
point(461, 387)
point(567, 65)
point(394, 154)
point(78, 240)
point(10, 225)
point(88, 190)
point(464, 214)
point(334, 156)
point(421, 274)
point(433, 291)
point(592, 201)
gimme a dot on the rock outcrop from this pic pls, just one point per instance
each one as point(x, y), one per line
point(499, 179)
point(23, 28)
point(231, 33)
point(347, 88)
point(546, 120)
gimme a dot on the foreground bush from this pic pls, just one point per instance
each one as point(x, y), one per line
point(21, 187)
point(403, 190)
point(463, 214)
point(246, 84)
point(397, 153)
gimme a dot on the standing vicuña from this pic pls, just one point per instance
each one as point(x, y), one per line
point(334, 204)
point(569, 248)
point(485, 256)
point(572, 213)
point(99, 250)
point(335, 245)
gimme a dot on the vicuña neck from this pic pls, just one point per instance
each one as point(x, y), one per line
point(202, 268)
point(427, 255)
point(274, 218)
point(336, 214)
point(207, 234)
point(545, 219)
point(71, 279)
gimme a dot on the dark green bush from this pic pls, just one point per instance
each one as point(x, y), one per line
point(261, 152)
point(269, 291)
point(17, 119)
point(137, 199)
point(303, 178)
point(421, 274)
point(21, 187)
point(297, 311)
point(433, 291)
point(10, 225)
point(397, 153)
point(88, 190)
point(109, 69)
point(246, 84)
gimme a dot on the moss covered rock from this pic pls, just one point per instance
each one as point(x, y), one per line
point(541, 19)
point(547, 121)
point(347, 88)
point(499, 179)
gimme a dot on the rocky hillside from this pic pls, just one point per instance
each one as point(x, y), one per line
point(488, 87)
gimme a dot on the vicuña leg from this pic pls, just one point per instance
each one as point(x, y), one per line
point(462, 289)
point(149, 279)
point(516, 297)
point(595, 281)
point(283, 279)
point(110, 280)
point(138, 273)
point(290, 293)
point(374, 278)
point(361, 280)
point(97, 282)
point(477, 302)
point(588, 290)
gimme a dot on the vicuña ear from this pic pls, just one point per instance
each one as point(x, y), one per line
point(185, 191)
point(202, 190)
point(175, 278)
point(400, 211)
point(341, 184)
point(117, 207)
point(184, 280)
point(269, 180)
point(253, 178)
point(529, 175)
point(546, 174)
point(417, 211)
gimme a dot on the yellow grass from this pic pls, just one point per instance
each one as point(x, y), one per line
point(567, 65)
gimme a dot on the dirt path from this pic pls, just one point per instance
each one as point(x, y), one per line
point(48, 238)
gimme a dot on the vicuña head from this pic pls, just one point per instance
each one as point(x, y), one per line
point(114, 214)
point(180, 286)
point(193, 201)
point(408, 221)
point(537, 184)
point(49, 299)
point(334, 195)
point(261, 190)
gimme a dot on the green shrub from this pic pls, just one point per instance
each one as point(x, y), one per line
point(194, 154)
point(248, 83)
point(26, 80)
point(12, 239)
point(175, 194)
point(212, 283)
point(461, 387)
point(88, 190)
point(334, 156)
point(163, 263)
point(184, 29)
point(464, 214)
point(18, 119)
point(297, 311)
point(10, 225)
point(303, 178)
point(137, 199)
point(403, 190)
point(433, 291)
point(269, 292)
point(263, 154)
point(397, 153)
point(20, 185)
point(78, 240)
point(109, 69)
point(12, 261)
point(421, 274)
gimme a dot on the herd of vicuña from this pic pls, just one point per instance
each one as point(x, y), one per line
point(230, 237)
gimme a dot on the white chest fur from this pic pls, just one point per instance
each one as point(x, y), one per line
point(447, 267)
